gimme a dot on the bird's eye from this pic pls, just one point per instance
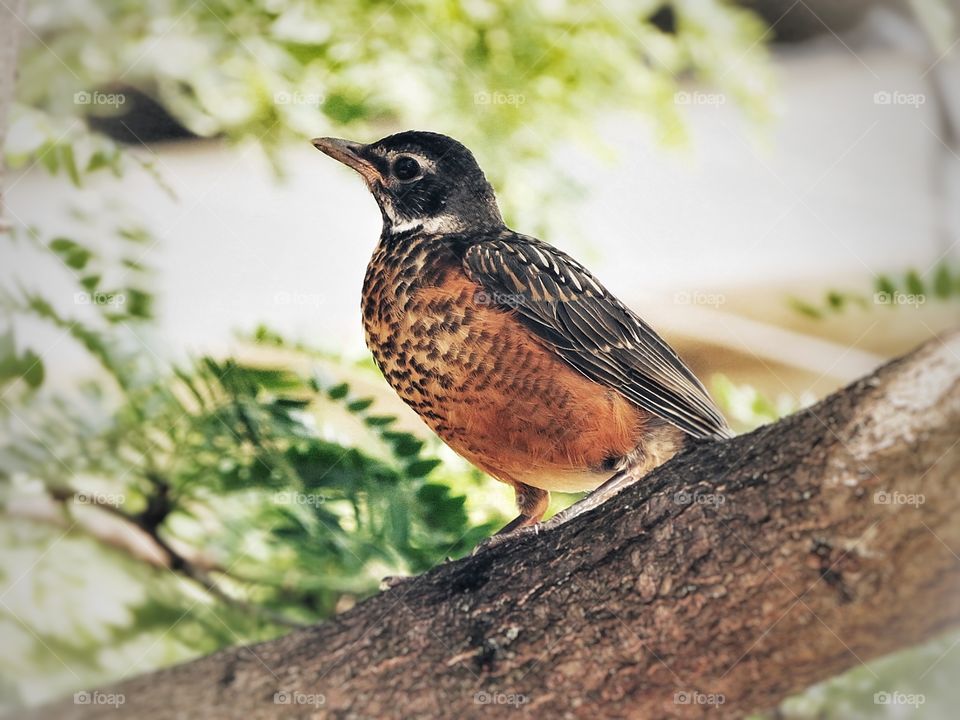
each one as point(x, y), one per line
point(406, 168)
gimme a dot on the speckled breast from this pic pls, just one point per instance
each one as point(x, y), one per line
point(481, 381)
point(419, 326)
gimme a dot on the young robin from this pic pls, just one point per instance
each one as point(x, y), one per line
point(509, 349)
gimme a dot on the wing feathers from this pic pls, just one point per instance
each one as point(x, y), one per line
point(559, 300)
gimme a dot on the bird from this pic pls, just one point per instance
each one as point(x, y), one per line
point(508, 348)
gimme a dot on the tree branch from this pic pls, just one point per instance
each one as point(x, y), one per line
point(744, 570)
point(164, 554)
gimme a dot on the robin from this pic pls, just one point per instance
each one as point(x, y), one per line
point(509, 349)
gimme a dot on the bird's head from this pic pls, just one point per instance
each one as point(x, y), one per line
point(421, 180)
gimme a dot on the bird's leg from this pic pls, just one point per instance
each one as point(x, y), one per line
point(663, 442)
point(604, 492)
point(533, 504)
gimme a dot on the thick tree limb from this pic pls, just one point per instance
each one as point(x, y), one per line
point(747, 569)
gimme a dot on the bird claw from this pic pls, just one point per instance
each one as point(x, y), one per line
point(504, 537)
point(392, 581)
point(568, 514)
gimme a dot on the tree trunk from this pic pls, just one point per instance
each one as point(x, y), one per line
point(738, 573)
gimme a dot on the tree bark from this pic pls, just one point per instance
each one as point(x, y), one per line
point(736, 574)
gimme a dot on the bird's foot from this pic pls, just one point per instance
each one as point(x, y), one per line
point(392, 581)
point(595, 499)
point(508, 534)
point(576, 510)
point(522, 525)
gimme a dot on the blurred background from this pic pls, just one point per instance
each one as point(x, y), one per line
point(196, 449)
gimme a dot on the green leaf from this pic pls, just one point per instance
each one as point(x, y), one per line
point(27, 366)
point(440, 508)
point(360, 405)
point(914, 283)
point(292, 403)
point(404, 444)
point(883, 284)
point(338, 392)
point(343, 110)
point(90, 282)
point(805, 308)
point(49, 158)
point(263, 334)
point(836, 300)
point(379, 420)
point(99, 159)
point(72, 253)
point(33, 369)
point(134, 234)
point(421, 468)
point(70, 163)
point(139, 304)
point(8, 345)
point(942, 282)
point(272, 379)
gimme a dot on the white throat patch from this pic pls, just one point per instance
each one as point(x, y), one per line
point(433, 225)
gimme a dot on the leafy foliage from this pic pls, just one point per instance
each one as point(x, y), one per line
point(942, 284)
point(272, 72)
point(275, 496)
point(748, 408)
point(58, 145)
point(271, 495)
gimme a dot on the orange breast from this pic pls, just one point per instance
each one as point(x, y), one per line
point(494, 393)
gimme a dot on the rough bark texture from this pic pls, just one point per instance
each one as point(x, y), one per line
point(749, 569)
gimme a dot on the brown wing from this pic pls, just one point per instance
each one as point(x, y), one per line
point(561, 302)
